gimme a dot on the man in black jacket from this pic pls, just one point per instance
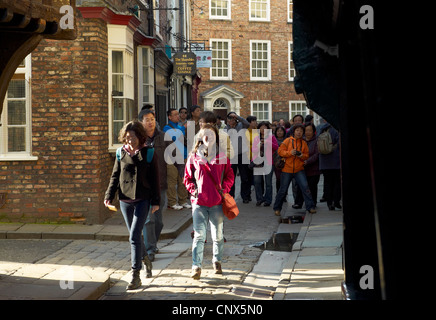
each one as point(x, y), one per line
point(155, 138)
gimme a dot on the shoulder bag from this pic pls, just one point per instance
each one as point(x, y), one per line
point(230, 209)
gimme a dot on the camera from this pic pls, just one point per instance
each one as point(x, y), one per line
point(297, 153)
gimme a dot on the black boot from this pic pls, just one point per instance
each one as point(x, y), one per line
point(136, 281)
point(148, 266)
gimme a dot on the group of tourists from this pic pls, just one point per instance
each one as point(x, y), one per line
point(193, 154)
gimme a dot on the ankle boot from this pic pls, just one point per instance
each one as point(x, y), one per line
point(148, 265)
point(136, 281)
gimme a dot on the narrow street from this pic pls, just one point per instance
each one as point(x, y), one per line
point(172, 267)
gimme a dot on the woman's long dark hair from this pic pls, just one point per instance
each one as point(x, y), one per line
point(200, 143)
point(136, 127)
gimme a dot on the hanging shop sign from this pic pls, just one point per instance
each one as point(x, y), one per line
point(185, 63)
point(204, 58)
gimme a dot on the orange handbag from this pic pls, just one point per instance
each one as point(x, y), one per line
point(230, 209)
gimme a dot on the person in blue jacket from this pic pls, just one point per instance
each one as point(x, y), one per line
point(176, 159)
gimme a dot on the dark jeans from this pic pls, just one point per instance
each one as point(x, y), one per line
point(153, 226)
point(313, 186)
point(285, 181)
point(258, 184)
point(245, 179)
point(332, 186)
point(135, 214)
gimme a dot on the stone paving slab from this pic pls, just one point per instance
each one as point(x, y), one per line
point(21, 281)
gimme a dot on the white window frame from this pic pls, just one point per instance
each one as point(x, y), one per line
point(221, 17)
point(120, 38)
point(25, 155)
point(302, 108)
point(157, 17)
point(291, 71)
point(268, 77)
point(229, 77)
point(150, 69)
point(268, 10)
point(255, 113)
point(290, 10)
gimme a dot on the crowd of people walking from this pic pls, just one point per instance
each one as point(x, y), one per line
point(157, 167)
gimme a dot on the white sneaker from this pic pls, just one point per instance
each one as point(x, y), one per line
point(186, 205)
point(175, 207)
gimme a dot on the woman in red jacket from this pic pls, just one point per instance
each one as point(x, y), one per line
point(207, 166)
point(295, 151)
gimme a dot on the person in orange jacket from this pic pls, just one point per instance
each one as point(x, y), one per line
point(295, 151)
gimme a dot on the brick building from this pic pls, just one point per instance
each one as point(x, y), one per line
point(66, 103)
point(252, 70)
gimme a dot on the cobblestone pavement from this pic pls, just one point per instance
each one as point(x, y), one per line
point(172, 267)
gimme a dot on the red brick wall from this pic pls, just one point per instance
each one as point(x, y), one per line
point(280, 90)
point(69, 134)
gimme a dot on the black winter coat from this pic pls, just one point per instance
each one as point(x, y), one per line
point(134, 178)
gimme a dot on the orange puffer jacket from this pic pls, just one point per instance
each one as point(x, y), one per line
point(293, 164)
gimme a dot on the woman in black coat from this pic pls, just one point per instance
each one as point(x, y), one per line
point(136, 178)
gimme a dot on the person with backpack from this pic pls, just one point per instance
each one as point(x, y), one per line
point(294, 149)
point(330, 164)
point(135, 176)
point(207, 167)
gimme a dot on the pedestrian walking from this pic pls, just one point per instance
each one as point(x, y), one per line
point(330, 166)
point(296, 151)
point(194, 115)
point(240, 161)
point(279, 133)
point(296, 120)
point(135, 177)
point(311, 165)
point(155, 139)
point(206, 167)
point(183, 115)
point(264, 145)
point(176, 192)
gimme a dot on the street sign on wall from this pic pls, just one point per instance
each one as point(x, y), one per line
point(185, 63)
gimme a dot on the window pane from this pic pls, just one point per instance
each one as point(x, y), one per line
point(117, 85)
point(17, 89)
point(145, 77)
point(16, 112)
point(118, 109)
point(146, 94)
point(16, 139)
point(117, 62)
point(116, 131)
point(131, 113)
point(144, 57)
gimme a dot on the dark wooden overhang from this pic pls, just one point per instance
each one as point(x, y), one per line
point(23, 24)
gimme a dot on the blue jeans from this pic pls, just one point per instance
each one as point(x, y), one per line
point(153, 226)
point(200, 216)
point(285, 181)
point(257, 179)
point(135, 214)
